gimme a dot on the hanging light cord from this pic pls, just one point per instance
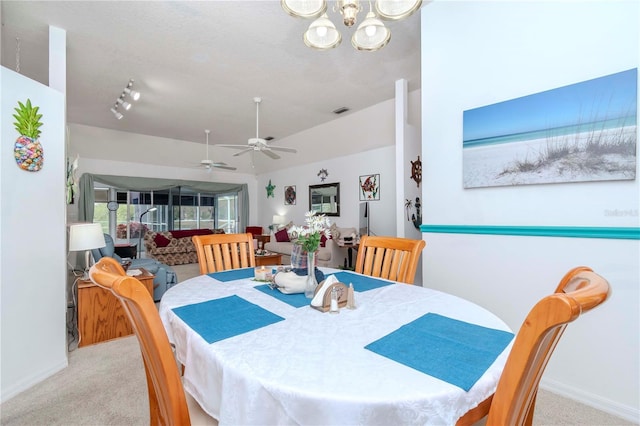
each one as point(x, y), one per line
point(17, 55)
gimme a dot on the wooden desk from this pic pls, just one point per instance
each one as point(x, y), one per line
point(100, 314)
point(269, 259)
point(350, 247)
point(126, 250)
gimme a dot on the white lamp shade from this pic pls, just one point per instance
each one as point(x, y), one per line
point(279, 220)
point(393, 10)
point(86, 236)
point(371, 35)
point(322, 34)
point(304, 8)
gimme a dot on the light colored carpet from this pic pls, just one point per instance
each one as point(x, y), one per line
point(184, 272)
point(105, 384)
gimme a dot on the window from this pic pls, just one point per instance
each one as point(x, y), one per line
point(176, 208)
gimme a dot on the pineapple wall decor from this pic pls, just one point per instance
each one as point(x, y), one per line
point(28, 149)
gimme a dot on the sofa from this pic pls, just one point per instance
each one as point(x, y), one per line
point(165, 276)
point(175, 247)
point(329, 253)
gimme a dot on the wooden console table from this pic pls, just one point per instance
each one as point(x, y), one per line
point(100, 314)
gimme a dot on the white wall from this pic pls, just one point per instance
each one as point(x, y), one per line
point(345, 170)
point(479, 53)
point(356, 144)
point(33, 240)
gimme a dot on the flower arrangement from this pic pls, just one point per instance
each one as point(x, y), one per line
point(309, 235)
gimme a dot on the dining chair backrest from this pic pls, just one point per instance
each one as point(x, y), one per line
point(389, 257)
point(167, 400)
point(221, 252)
point(513, 403)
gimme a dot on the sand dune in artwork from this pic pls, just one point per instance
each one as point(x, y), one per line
point(607, 154)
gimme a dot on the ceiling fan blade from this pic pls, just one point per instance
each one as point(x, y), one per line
point(243, 151)
point(233, 146)
point(271, 154)
point(217, 166)
point(283, 149)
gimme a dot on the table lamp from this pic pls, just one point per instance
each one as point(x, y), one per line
point(278, 220)
point(86, 236)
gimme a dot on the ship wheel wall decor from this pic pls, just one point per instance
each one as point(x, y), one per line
point(416, 171)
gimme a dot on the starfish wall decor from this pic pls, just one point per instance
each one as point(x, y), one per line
point(270, 189)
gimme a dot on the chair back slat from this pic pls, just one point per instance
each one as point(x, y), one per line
point(221, 252)
point(389, 257)
point(167, 400)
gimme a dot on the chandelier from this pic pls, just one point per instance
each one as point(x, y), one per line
point(370, 35)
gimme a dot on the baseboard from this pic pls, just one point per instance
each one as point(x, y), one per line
point(603, 404)
point(30, 381)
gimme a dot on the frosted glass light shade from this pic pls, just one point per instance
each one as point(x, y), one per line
point(304, 8)
point(322, 34)
point(371, 35)
point(393, 10)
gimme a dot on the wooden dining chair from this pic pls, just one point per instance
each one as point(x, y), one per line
point(168, 404)
point(389, 257)
point(513, 403)
point(220, 252)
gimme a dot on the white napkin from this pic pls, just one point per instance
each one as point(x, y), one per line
point(290, 282)
point(319, 297)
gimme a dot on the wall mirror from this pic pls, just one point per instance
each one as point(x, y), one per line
point(325, 199)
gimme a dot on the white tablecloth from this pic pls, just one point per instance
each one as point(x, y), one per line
point(312, 368)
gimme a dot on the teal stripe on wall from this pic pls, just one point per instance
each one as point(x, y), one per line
point(537, 231)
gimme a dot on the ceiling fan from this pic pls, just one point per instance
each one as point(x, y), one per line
point(209, 164)
point(257, 143)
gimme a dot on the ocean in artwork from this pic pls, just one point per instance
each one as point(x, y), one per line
point(582, 132)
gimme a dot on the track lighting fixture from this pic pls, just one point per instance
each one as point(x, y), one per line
point(135, 95)
point(128, 90)
point(126, 105)
point(115, 112)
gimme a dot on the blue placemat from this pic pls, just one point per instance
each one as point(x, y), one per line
point(361, 282)
point(233, 274)
point(296, 300)
point(220, 319)
point(454, 351)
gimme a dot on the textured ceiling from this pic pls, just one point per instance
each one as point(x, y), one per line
point(199, 65)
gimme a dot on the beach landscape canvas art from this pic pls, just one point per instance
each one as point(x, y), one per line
point(582, 132)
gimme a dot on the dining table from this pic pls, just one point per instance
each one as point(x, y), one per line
point(405, 355)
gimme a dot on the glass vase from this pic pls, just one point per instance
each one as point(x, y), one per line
point(311, 284)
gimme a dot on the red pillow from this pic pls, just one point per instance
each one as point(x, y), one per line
point(323, 240)
point(282, 236)
point(161, 240)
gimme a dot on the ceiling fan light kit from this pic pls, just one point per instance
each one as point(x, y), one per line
point(371, 34)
